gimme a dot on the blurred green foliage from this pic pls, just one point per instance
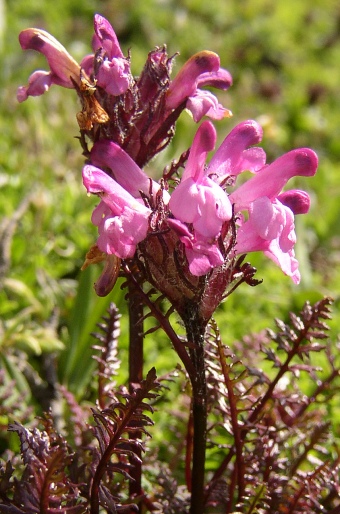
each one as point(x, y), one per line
point(284, 57)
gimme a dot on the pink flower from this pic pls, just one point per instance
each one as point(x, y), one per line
point(109, 66)
point(270, 224)
point(202, 69)
point(200, 201)
point(202, 256)
point(264, 214)
point(64, 70)
point(122, 220)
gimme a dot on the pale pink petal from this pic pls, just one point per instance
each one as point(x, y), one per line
point(38, 83)
point(122, 221)
point(114, 76)
point(203, 257)
point(204, 103)
point(285, 260)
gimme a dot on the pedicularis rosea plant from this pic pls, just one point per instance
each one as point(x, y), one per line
point(181, 240)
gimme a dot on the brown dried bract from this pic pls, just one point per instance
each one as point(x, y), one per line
point(92, 112)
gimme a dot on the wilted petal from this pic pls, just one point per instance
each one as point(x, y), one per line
point(108, 278)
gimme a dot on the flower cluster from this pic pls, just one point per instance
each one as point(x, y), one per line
point(129, 120)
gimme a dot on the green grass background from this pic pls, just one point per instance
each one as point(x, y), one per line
point(285, 60)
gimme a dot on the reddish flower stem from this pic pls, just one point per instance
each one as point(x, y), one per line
point(195, 335)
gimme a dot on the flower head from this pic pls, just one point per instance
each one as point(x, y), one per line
point(264, 214)
point(137, 113)
point(201, 202)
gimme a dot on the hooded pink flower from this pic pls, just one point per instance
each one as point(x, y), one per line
point(200, 201)
point(64, 70)
point(270, 224)
point(109, 66)
point(264, 214)
point(202, 69)
point(122, 220)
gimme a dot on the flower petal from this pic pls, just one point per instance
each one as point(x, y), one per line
point(65, 70)
point(122, 221)
point(233, 156)
point(106, 154)
point(220, 79)
point(270, 180)
point(185, 82)
point(107, 38)
point(38, 83)
point(114, 76)
point(203, 257)
point(204, 103)
point(204, 141)
point(298, 201)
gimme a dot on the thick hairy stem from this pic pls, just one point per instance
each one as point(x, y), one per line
point(135, 374)
point(195, 333)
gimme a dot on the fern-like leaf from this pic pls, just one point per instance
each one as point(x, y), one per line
point(45, 485)
point(114, 426)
